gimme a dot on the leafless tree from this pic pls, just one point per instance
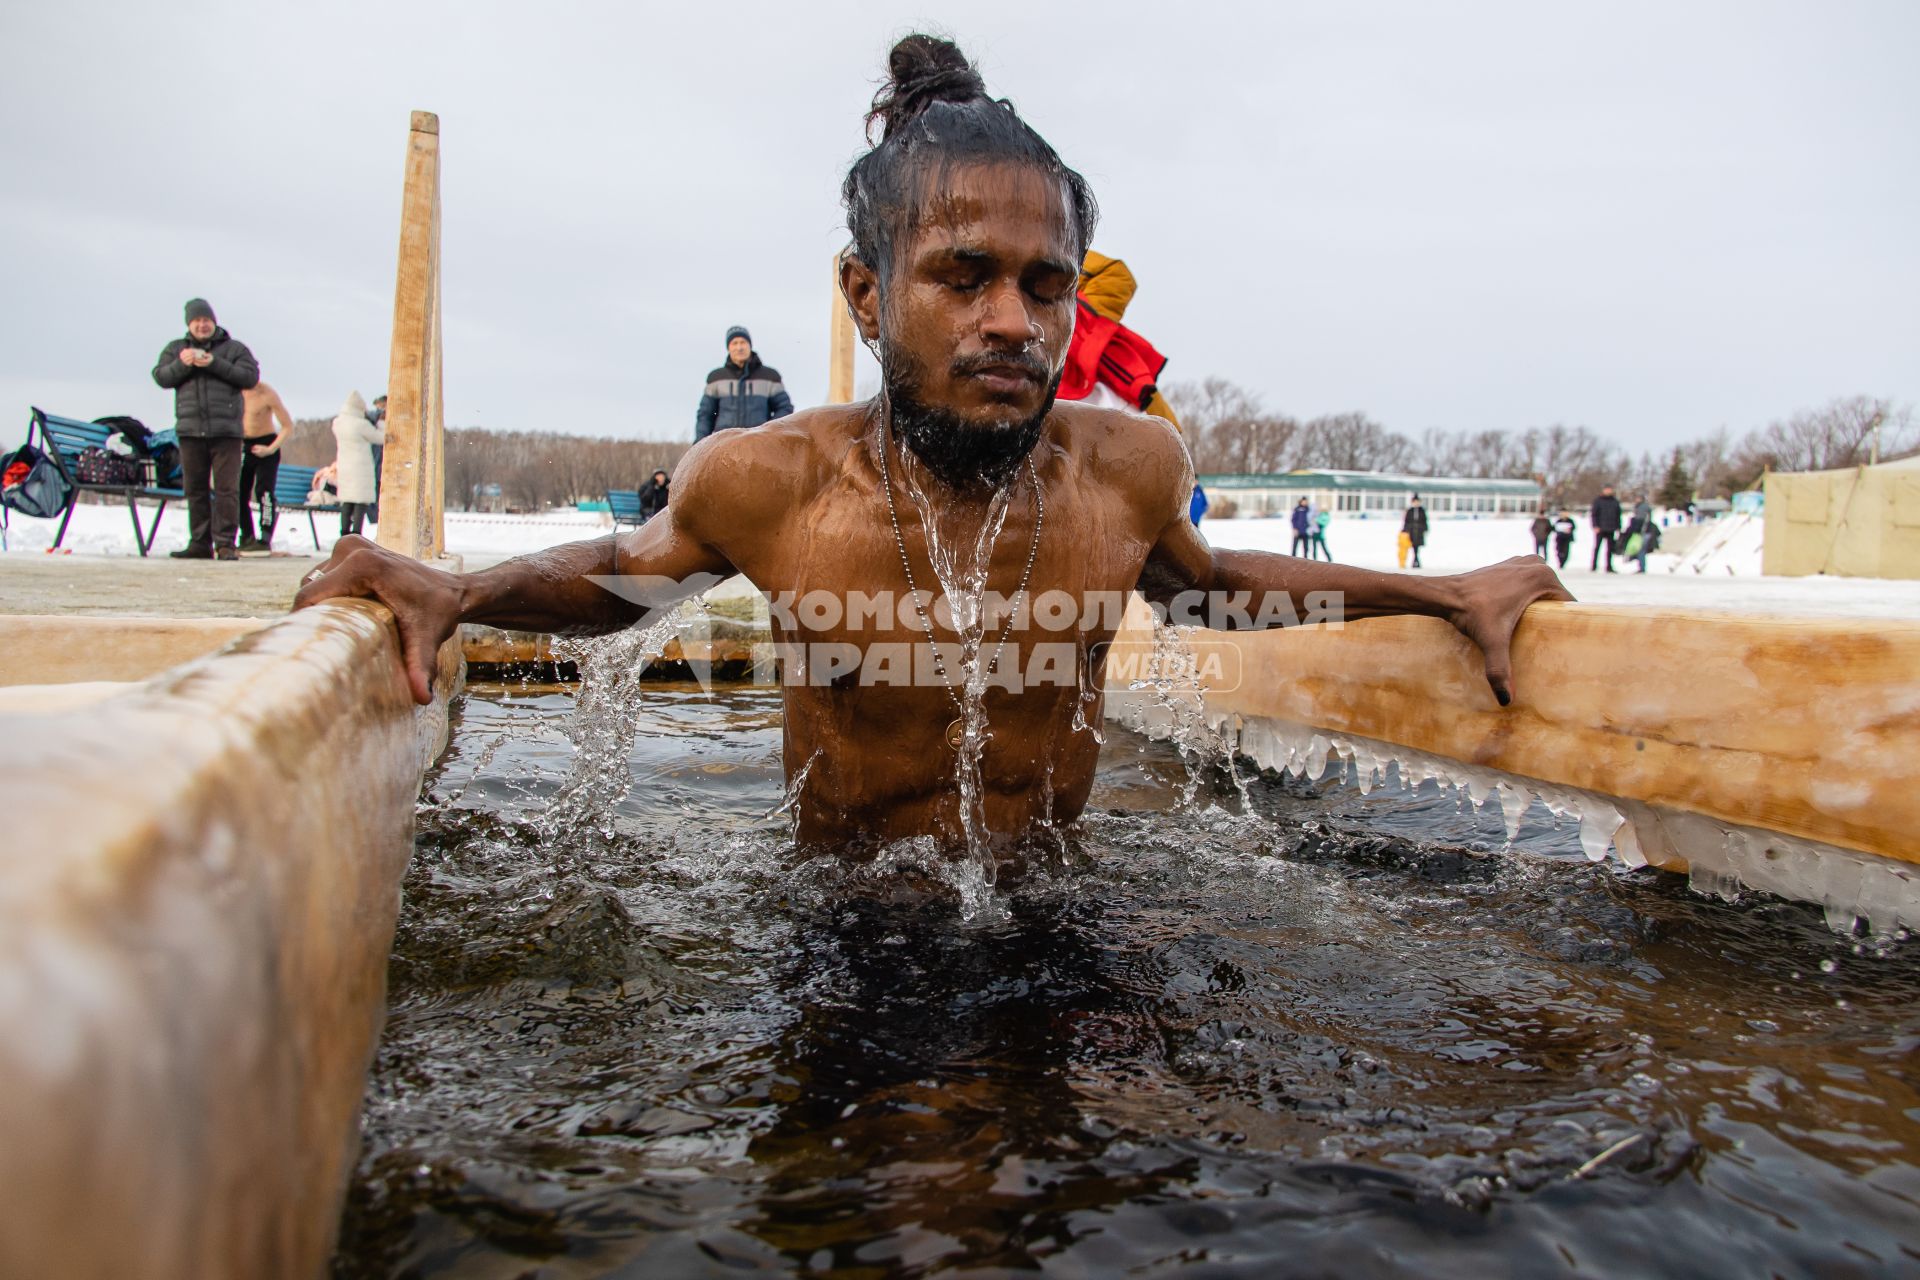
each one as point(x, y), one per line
point(1840, 433)
point(1229, 429)
point(1352, 442)
point(1226, 427)
point(1572, 464)
point(309, 444)
point(1708, 461)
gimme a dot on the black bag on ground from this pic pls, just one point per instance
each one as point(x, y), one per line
point(33, 484)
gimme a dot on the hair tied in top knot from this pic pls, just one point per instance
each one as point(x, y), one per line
point(937, 117)
point(922, 70)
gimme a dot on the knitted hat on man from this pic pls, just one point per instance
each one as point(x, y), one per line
point(738, 332)
point(199, 309)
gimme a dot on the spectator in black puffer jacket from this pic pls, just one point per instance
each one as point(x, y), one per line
point(742, 392)
point(207, 371)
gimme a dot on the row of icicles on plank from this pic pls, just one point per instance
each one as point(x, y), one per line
point(1720, 858)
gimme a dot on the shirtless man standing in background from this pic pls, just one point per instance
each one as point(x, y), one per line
point(261, 408)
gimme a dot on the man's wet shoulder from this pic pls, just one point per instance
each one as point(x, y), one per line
point(784, 451)
point(1115, 439)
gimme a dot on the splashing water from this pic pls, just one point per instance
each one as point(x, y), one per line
point(962, 567)
point(602, 728)
point(789, 806)
point(1171, 707)
point(1086, 716)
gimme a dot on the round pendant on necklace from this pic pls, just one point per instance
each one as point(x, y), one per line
point(956, 732)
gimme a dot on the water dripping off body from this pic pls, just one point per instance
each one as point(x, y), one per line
point(963, 566)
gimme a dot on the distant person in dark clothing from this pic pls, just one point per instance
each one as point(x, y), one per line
point(1606, 526)
point(1542, 530)
point(208, 372)
point(1197, 505)
point(1415, 527)
point(653, 496)
point(742, 392)
point(1642, 524)
point(1302, 529)
point(1563, 537)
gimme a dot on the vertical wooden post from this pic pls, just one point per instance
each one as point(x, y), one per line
point(412, 486)
point(840, 355)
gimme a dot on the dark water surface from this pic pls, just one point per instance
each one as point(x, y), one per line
point(1337, 1035)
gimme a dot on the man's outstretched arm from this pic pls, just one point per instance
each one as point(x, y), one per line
point(580, 589)
point(1485, 605)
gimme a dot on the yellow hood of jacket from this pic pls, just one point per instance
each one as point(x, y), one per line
point(1107, 285)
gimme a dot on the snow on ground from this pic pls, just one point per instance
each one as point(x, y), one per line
point(107, 531)
point(1453, 545)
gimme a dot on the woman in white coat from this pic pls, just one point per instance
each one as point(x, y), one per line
point(354, 437)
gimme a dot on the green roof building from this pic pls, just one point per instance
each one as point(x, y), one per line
point(1372, 494)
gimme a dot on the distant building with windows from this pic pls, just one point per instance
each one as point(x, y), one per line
point(1373, 493)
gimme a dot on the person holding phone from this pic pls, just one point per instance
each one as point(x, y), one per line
point(208, 371)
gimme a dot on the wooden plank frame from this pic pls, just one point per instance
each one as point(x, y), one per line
point(841, 341)
point(412, 475)
point(1808, 727)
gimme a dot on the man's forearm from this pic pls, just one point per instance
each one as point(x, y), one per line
point(579, 589)
point(551, 591)
point(1364, 593)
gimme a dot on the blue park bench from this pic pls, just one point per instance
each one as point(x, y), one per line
point(625, 505)
point(64, 440)
point(290, 489)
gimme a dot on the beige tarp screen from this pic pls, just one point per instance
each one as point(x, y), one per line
point(1862, 522)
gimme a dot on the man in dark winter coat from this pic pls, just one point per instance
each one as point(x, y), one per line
point(1414, 525)
point(742, 392)
point(207, 371)
point(1606, 525)
point(653, 496)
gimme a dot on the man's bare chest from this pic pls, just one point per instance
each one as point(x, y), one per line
point(844, 572)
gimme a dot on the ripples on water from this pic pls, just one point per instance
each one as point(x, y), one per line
point(1335, 1035)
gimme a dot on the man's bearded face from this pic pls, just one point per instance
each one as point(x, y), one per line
point(976, 321)
point(963, 451)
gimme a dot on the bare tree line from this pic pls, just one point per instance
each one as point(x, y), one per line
point(1229, 429)
point(534, 469)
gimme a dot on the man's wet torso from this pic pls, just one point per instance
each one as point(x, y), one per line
point(873, 743)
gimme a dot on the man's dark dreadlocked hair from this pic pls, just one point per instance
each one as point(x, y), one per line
point(934, 112)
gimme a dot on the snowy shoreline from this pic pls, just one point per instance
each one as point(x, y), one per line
point(1453, 545)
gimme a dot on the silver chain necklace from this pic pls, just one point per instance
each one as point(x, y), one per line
point(956, 730)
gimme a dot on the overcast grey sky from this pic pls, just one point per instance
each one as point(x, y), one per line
point(1650, 219)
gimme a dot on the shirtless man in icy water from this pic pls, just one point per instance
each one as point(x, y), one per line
point(968, 233)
